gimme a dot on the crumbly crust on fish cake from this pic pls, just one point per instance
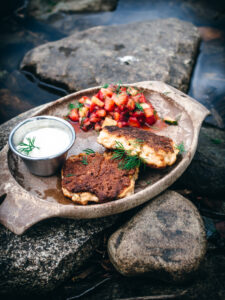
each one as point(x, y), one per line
point(157, 151)
point(100, 180)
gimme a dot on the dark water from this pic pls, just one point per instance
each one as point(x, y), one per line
point(20, 33)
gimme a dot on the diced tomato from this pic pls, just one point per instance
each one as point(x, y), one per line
point(138, 114)
point(109, 104)
point(94, 118)
point(83, 99)
point(97, 101)
point(148, 112)
point(98, 127)
point(73, 115)
point(142, 98)
point(150, 120)
point(130, 104)
point(123, 89)
point(120, 99)
point(83, 111)
point(100, 95)
point(133, 121)
point(101, 113)
point(132, 91)
point(120, 124)
point(116, 116)
point(92, 107)
point(106, 92)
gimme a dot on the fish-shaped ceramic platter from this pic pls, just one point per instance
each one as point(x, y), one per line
point(30, 199)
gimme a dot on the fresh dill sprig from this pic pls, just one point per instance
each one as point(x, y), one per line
point(138, 106)
point(118, 87)
point(27, 148)
point(180, 147)
point(84, 160)
point(89, 151)
point(128, 161)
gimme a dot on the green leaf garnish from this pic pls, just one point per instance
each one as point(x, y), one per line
point(138, 106)
point(180, 147)
point(105, 86)
point(171, 122)
point(84, 160)
point(118, 87)
point(77, 105)
point(89, 151)
point(27, 148)
point(69, 175)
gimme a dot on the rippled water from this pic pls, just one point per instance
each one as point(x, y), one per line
point(19, 33)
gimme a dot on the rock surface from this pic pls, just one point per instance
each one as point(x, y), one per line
point(166, 239)
point(206, 173)
point(155, 50)
point(6, 99)
point(47, 254)
point(43, 8)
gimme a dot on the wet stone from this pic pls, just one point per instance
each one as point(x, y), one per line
point(166, 240)
point(162, 50)
point(206, 173)
point(47, 254)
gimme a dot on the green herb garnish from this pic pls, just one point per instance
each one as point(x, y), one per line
point(69, 175)
point(84, 160)
point(180, 147)
point(27, 148)
point(118, 87)
point(128, 161)
point(128, 93)
point(136, 142)
point(171, 122)
point(77, 105)
point(138, 106)
point(105, 86)
point(89, 151)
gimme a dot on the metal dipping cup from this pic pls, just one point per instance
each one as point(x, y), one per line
point(44, 166)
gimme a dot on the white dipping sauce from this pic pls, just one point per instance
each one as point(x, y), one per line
point(50, 141)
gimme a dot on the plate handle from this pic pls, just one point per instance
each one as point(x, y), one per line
point(19, 210)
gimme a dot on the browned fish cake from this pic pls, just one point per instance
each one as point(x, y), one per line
point(157, 151)
point(96, 179)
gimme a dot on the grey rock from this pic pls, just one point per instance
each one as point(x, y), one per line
point(44, 8)
point(47, 254)
point(166, 239)
point(206, 173)
point(155, 50)
point(7, 109)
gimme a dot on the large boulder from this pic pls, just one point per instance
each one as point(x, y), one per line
point(47, 254)
point(166, 239)
point(154, 50)
point(206, 173)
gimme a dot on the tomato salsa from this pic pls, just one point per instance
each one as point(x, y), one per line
point(118, 105)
